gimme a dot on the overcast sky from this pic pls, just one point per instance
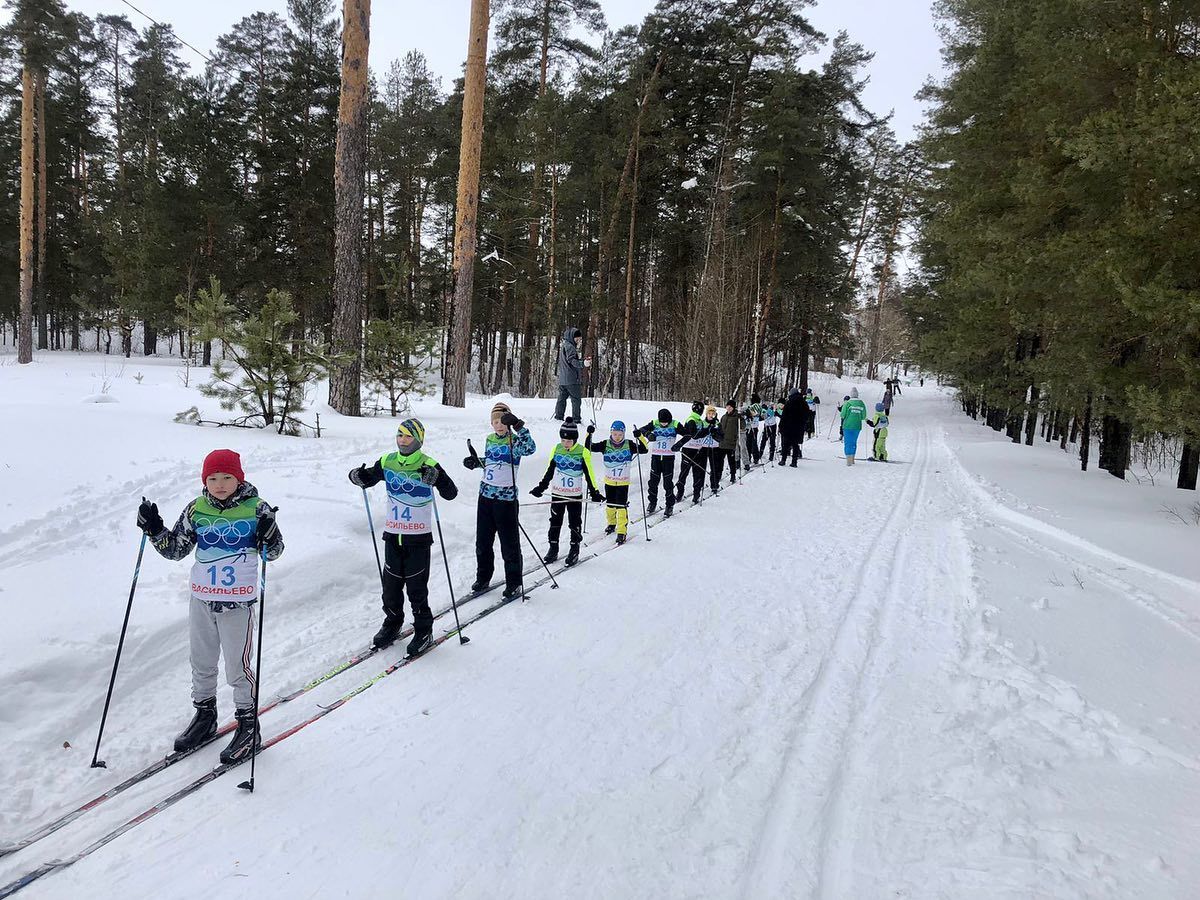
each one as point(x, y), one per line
point(899, 32)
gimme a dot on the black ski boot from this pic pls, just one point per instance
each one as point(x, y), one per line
point(551, 555)
point(652, 508)
point(419, 644)
point(202, 727)
point(387, 634)
point(668, 512)
point(245, 738)
point(610, 529)
point(679, 493)
point(620, 539)
point(479, 586)
point(572, 555)
point(512, 593)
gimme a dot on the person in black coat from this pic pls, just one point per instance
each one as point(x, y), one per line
point(792, 427)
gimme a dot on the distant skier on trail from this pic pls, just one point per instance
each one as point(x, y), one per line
point(662, 433)
point(618, 454)
point(228, 525)
point(854, 413)
point(690, 445)
point(570, 372)
point(734, 433)
point(497, 511)
point(880, 426)
point(410, 476)
point(792, 428)
point(569, 475)
point(814, 403)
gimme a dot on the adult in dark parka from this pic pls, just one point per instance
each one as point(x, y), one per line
point(792, 427)
point(570, 374)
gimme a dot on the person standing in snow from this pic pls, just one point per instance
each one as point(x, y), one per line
point(570, 472)
point(618, 455)
point(880, 426)
point(229, 526)
point(770, 427)
point(887, 399)
point(710, 442)
point(841, 434)
point(854, 413)
point(662, 433)
point(498, 509)
point(690, 445)
point(792, 428)
point(570, 374)
point(410, 477)
point(751, 424)
point(733, 434)
point(814, 402)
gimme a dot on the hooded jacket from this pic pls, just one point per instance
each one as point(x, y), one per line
point(794, 422)
point(570, 366)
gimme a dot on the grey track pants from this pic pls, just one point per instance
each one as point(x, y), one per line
point(572, 392)
point(231, 632)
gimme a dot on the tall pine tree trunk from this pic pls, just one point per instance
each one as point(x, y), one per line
point(39, 278)
point(1189, 463)
point(348, 176)
point(25, 322)
point(458, 350)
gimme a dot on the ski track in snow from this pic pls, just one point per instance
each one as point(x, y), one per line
point(854, 682)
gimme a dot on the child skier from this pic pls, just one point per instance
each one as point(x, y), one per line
point(753, 422)
point(662, 433)
point(854, 411)
point(690, 444)
point(229, 526)
point(813, 402)
point(709, 456)
point(880, 426)
point(410, 476)
point(733, 435)
point(570, 468)
point(496, 514)
point(618, 466)
point(770, 428)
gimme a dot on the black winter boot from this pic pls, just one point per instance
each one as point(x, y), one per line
point(620, 539)
point(552, 554)
point(202, 727)
point(387, 633)
point(652, 508)
point(246, 738)
point(610, 529)
point(419, 644)
point(572, 555)
point(512, 593)
point(479, 586)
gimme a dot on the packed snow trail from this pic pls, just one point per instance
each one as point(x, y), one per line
point(831, 681)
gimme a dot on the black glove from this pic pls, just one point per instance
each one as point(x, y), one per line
point(511, 421)
point(429, 475)
point(596, 496)
point(148, 518)
point(538, 491)
point(591, 429)
point(267, 531)
point(359, 476)
point(637, 433)
point(472, 462)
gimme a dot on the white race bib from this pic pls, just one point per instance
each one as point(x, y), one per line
point(662, 446)
point(405, 519)
point(232, 579)
point(617, 475)
point(498, 474)
point(567, 484)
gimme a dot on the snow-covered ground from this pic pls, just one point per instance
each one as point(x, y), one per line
point(974, 672)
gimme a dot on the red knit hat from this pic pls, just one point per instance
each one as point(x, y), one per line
point(223, 461)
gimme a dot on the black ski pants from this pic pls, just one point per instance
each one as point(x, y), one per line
point(693, 463)
point(573, 510)
point(662, 468)
point(406, 569)
point(791, 447)
point(721, 458)
point(769, 435)
point(497, 518)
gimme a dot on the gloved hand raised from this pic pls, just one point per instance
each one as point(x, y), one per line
point(537, 491)
point(148, 519)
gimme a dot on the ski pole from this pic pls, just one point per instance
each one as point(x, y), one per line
point(512, 467)
point(262, 615)
point(585, 506)
point(374, 542)
point(642, 488)
point(98, 763)
point(462, 638)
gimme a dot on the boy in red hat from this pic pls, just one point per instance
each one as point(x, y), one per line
point(228, 525)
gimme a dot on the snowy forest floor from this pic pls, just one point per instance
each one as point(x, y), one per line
point(972, 672)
